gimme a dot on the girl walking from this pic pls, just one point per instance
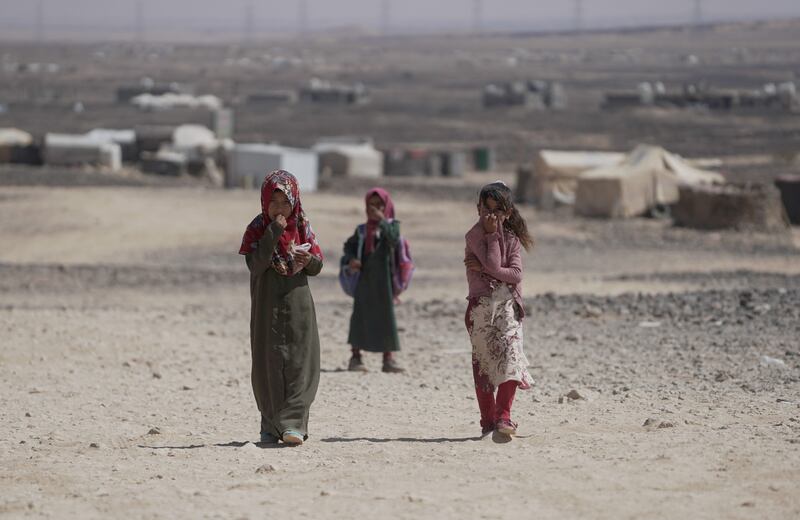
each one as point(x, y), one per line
point(495, 309)
point(371, 250)
point(281, 251)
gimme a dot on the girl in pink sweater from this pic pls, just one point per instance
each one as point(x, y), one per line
point(495, 310)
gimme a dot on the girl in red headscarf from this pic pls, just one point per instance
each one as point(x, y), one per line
point(372, 250)
point(281, 251)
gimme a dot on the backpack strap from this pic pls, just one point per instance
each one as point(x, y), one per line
point(362, 231)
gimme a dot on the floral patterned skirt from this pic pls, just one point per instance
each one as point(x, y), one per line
point(496, 336)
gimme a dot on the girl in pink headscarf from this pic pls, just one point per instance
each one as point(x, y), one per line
point(372, 250)
point(281, 251)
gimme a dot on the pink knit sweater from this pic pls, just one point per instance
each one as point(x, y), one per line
point(499, 253)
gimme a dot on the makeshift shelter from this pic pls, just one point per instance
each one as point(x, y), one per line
point(248, 164)
point(169, 101)
point(16, 146)
point(74, 150)
point(164, 162)
point(151, 138)
point(789, 186)
point(194, 140)
point(738, 207)
point(555, 175)
point(648, 177)
point(349, 159)
point(126, 139)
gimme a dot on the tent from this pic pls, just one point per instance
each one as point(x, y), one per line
point(649, 176)
point(349, 159)
point(74, 150)
point(126, 139)
point(16, 146)
point(248, 164)
point(555, 175)
point(14, 137)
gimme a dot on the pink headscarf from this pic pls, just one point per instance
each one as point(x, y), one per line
point(372, 225)
point(298, 230)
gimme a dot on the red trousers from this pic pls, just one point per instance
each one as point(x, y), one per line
point(493, 408)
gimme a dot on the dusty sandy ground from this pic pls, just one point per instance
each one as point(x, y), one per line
point(124, 370)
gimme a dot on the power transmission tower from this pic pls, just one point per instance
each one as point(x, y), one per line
point(249, 22)
point(579, 16)
point(697, 14)
point(140, 24)
point(477, 16)
point(302, 17)
point(40, 21)
point(386, 16)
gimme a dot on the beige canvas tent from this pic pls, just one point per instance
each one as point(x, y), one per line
point(647, 177)
point(555, 174)
point(349, 159)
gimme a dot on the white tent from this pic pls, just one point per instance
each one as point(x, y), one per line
point(194, 138)
point(248, 164)
point(349, 159)
point(74, 150)
point(171, 101)
point(555, 173)
point(15, 137)
point(649, 176)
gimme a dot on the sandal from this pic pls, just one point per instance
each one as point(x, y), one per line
point(356, 365)
point(268, 438)
point(506, 427)
point(390, 366)
point(292, 437)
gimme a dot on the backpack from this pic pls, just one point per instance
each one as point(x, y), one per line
point(402, 266)
point(348, 279)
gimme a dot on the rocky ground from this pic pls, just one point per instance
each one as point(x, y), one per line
point(667, 366)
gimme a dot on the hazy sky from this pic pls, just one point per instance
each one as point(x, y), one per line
point(405, 13)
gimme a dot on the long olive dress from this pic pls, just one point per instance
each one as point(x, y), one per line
point(372, 326)
point(283, 338)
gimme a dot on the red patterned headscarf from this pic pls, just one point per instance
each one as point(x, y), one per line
point(298, 229)
point(372, 225)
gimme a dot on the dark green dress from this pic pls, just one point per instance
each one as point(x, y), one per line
point(283, 338)
point(372, 326)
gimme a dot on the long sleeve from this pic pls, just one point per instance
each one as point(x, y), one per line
point(512, 272)
point(259, 260)
point(314, 267)
point(390, 231)
point(487, 249)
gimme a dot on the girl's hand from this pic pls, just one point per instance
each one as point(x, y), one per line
point(490, 224)
point(354, 265)
point(375, 214)
point(473, 264)
point(281, 221)
point(302, 258)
